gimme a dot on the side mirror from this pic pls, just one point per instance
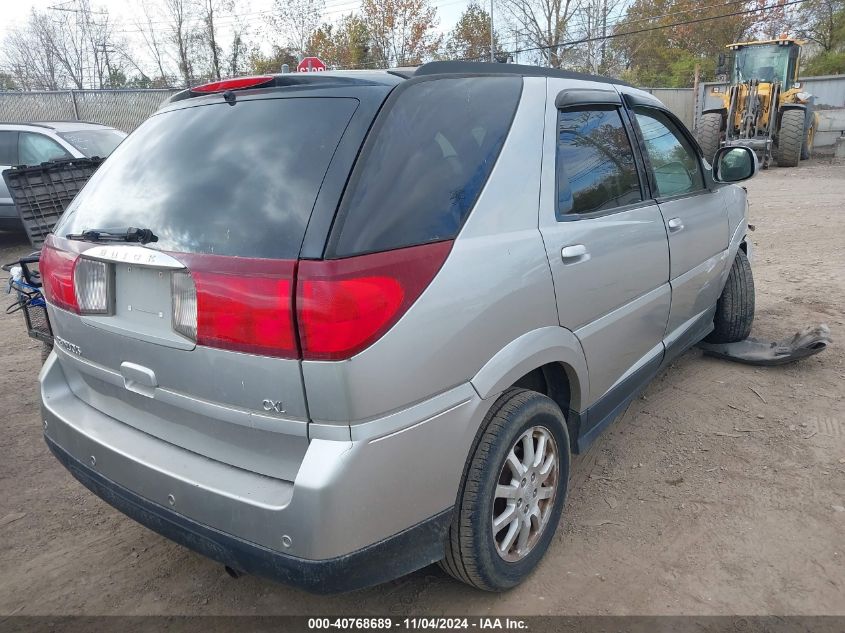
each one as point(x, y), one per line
point(734, 164)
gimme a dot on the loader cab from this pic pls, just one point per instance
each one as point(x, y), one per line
point(767, 62)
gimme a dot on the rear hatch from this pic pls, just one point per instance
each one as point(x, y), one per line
point(191, 337)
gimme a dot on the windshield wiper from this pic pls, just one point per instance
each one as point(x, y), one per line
point(142, 236)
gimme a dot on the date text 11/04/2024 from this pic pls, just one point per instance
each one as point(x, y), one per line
point(418, 623)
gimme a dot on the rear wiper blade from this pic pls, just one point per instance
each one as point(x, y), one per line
point(142, 236)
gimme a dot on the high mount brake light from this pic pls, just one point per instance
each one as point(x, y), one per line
point(345, 305)
point(241, 83)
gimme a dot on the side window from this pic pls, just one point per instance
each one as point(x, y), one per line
point(595, 163)
point(673, 159)
point(425, 164)
point(35, 149)
point(8, 148)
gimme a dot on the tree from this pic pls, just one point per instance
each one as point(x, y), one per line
point(260, 64)
point(183, 36)
point(823, 23)
point(30, 58)
point(402, 31)
point(668, 56)
point(470, 39)
point(154, 43)
point(296, 20)
point(7, 82)
point(543, 25)
point(345, 45)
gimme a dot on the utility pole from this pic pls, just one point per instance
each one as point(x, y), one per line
point(492, 46)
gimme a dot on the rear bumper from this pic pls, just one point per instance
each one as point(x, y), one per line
point(361, 510)
point(395, 556)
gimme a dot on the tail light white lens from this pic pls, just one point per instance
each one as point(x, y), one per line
point(93, 286)
point(184, 304)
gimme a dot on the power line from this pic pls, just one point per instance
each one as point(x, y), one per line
point(657, 28)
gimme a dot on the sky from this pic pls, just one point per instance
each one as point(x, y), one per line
point(14, 12)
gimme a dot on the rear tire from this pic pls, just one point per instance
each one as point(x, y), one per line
point(476, 553)
point(790, 138)
point(735, 307)
point(709, 134)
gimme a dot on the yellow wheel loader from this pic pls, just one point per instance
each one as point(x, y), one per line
point(764, 107)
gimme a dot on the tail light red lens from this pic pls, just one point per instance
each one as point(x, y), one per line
point(242, 304)
point(57, 274)
point(247, 305)
point(344, 305)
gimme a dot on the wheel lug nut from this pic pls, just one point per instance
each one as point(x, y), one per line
point(518, 502)
point(533, 476)
point(535, 492)
point(523, 482)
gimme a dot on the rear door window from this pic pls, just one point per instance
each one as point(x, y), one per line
point(595, 162)
point(224, 179)
point(425, 163)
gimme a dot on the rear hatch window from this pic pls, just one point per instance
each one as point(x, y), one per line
point(237, 180)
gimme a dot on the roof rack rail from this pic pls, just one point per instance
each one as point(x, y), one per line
point(491, 68)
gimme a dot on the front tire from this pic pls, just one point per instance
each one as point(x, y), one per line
point(709, 134)
point(735, 307)
point(512, 493)
point(790, 138)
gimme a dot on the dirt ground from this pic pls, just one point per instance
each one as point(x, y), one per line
point(719, 491)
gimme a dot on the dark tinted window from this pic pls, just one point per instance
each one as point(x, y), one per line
point(428, 160)
point(94, 142)
point(595, 163)
point(34, 149)
point(8, 148)
point(230, 180)
point(673, 159)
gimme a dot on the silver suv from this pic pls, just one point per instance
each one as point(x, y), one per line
point(332, 328)
point(36, 143)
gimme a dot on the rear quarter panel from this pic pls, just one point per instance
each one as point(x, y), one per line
point(494, 287)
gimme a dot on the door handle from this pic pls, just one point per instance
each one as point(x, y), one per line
point(574, 253)
point(675, 225)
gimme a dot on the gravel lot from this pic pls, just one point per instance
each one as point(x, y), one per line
point(719, 491)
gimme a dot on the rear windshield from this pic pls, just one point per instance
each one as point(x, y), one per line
point(94, 142)
point(425, 164)
point(225, 179)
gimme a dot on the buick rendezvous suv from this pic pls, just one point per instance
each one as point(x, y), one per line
point(331, 328)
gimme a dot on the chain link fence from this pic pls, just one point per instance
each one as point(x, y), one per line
point(122, 109)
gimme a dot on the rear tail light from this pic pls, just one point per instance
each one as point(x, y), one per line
point(344, 305)
point(247, 305)
point(238, 304)
point(93, 286)
point(56, 268)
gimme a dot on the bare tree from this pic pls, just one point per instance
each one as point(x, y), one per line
point(183, 36)
point(296, 20)
point(154, 45)
point(542, 26)
point(29, 57)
